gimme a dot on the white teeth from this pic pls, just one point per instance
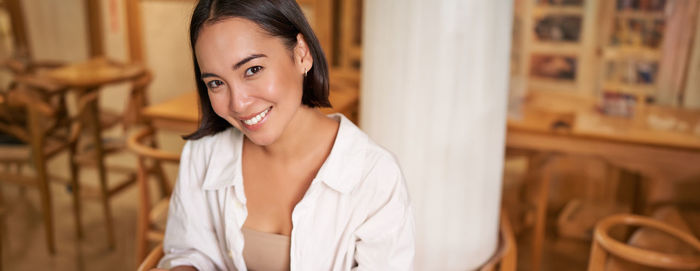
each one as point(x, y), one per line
point(256, 119)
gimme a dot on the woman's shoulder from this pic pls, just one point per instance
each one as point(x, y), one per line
point(381, 164)
point(378, 168)
point(382, 179)
point(374, 155)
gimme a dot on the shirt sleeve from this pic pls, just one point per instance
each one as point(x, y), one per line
point(386, 239)
point(189, 237)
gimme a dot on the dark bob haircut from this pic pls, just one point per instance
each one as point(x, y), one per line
point(279, 18)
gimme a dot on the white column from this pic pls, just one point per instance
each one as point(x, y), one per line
point(434, 85)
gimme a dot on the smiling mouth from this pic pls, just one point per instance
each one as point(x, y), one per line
point(257, 118)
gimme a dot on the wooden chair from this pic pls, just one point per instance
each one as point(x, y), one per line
point(151, 261)
point(605, 247)
point(578, 217)
point(148, 229)
point(505, 258)
point(48, 130)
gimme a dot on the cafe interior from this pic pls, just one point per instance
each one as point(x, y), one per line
point(584, 156)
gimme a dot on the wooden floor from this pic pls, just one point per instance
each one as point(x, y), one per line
point(23, 237)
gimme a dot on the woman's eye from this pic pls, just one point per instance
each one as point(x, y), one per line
point(253, 70)
point(214, 84)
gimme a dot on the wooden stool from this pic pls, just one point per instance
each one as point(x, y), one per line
point(147, 227)
point(604, 245)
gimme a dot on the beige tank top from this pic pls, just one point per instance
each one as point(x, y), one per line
point(265, 251)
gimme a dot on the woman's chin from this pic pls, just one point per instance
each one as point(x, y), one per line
point(260, 140)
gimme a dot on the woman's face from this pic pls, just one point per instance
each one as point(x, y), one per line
point(253, 79)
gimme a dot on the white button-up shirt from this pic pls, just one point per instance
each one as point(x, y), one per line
point(354, 215)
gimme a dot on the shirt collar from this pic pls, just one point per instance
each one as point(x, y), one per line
point(343, 168)
point(341, 171)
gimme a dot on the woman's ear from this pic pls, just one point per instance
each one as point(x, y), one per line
point(302, 55)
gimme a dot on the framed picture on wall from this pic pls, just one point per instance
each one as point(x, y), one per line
point(557, 67)
point(558, 28)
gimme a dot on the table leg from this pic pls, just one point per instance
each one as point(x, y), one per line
point(75, 187)
point(639, 195)
point(93, 120)
point(539, 168)
point(37, 143)
point(143, 222)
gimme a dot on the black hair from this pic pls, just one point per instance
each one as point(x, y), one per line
point(279, 18)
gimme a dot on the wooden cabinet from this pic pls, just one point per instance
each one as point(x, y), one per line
point(633, 48)
point(558, 43)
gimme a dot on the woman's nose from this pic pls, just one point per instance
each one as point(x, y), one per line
point(240, 100)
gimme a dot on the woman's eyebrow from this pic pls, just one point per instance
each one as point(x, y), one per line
point(245, 60)
point(238, 65)
point(206, 74)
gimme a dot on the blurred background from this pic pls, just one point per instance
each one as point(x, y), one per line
point(571, 127)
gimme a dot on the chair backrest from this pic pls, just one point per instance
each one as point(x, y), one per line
point(143, 145)
point(23, 100)
point(137, 145)
point(30, 89)
point(138, 99)
point(604, 245)
point(152, 259)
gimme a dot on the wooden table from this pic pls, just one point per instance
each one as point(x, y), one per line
point(180, 113)
point(552, 123)
point(635, 144)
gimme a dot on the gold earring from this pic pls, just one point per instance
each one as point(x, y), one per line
point(305, 71)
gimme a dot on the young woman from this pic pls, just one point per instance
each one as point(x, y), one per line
point(268, 182)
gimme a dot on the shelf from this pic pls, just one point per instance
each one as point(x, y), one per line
point(558, 48)
point(639, 90)
point(642, 15)
point(627, 52)
point(542, 10)
point(547, 84)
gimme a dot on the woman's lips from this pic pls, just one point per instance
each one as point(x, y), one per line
point(254, 122)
